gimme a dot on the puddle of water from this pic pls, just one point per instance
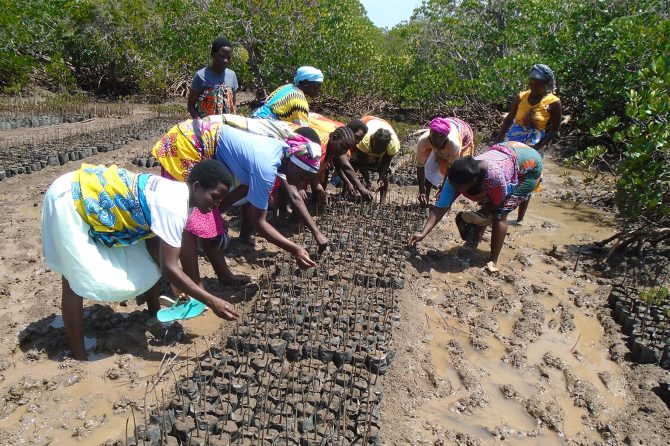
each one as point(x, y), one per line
point(567, 224)
point(572, 421)
point(489, 360)
point(94, 395)
point(506, 323)
point(586, 340)
point(526, 381)
point(499, 412)
point(560, 220)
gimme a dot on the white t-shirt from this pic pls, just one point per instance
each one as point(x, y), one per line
point(168, 203)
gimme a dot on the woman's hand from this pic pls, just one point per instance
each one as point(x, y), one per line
point(366, 194)
point(435, 215)
point(322, 241)
point(302, 258)
point(414, 239)
point(223, 309)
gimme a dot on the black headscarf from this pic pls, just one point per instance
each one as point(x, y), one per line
point(544, 73)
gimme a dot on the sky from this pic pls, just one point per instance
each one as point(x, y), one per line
point(389, 12)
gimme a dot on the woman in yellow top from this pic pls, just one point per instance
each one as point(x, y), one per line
point(335, 147)
point(534, 117)
point(535, 114)
point(376, 150)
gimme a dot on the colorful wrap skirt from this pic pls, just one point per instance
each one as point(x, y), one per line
point(215, 101)
point(93, 270)
point(177, 152)
point(111, 200)
point(526, 135)
point(529, 162)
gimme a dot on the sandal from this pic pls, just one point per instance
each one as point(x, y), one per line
point(180, 310)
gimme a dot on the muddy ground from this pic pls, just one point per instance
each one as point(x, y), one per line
point(529, 356)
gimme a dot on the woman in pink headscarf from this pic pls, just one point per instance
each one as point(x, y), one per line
point(446, 140)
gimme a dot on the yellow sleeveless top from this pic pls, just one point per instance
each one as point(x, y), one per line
point(536, 116)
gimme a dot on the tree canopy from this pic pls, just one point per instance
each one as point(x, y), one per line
point(449, 52)
point(605, 54)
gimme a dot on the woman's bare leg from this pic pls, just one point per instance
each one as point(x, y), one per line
point(72, 309)
point(153, 302)
point(383, 192)
point(498, 234)
point(246, 228)
point(217, 259)
point(153, 295)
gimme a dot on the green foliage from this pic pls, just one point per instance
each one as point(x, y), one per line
point(655, 296)
point(449, 53)
point(643, 139)
point(59, 74)
point(643, 188)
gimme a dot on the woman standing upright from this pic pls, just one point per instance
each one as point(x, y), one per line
point(535, 114)
point(214, 87)
point(534, 117)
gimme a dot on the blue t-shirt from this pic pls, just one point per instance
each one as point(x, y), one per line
point(253, 160)
point(207, 78)
point(447, 197)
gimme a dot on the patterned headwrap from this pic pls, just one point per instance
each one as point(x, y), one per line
point(440, 125)
point(303, 153)
point(542, 72)
point(307, 73)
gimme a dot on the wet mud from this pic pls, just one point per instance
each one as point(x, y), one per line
point(530, 356)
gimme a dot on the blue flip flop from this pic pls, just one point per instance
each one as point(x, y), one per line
point(181, 310)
